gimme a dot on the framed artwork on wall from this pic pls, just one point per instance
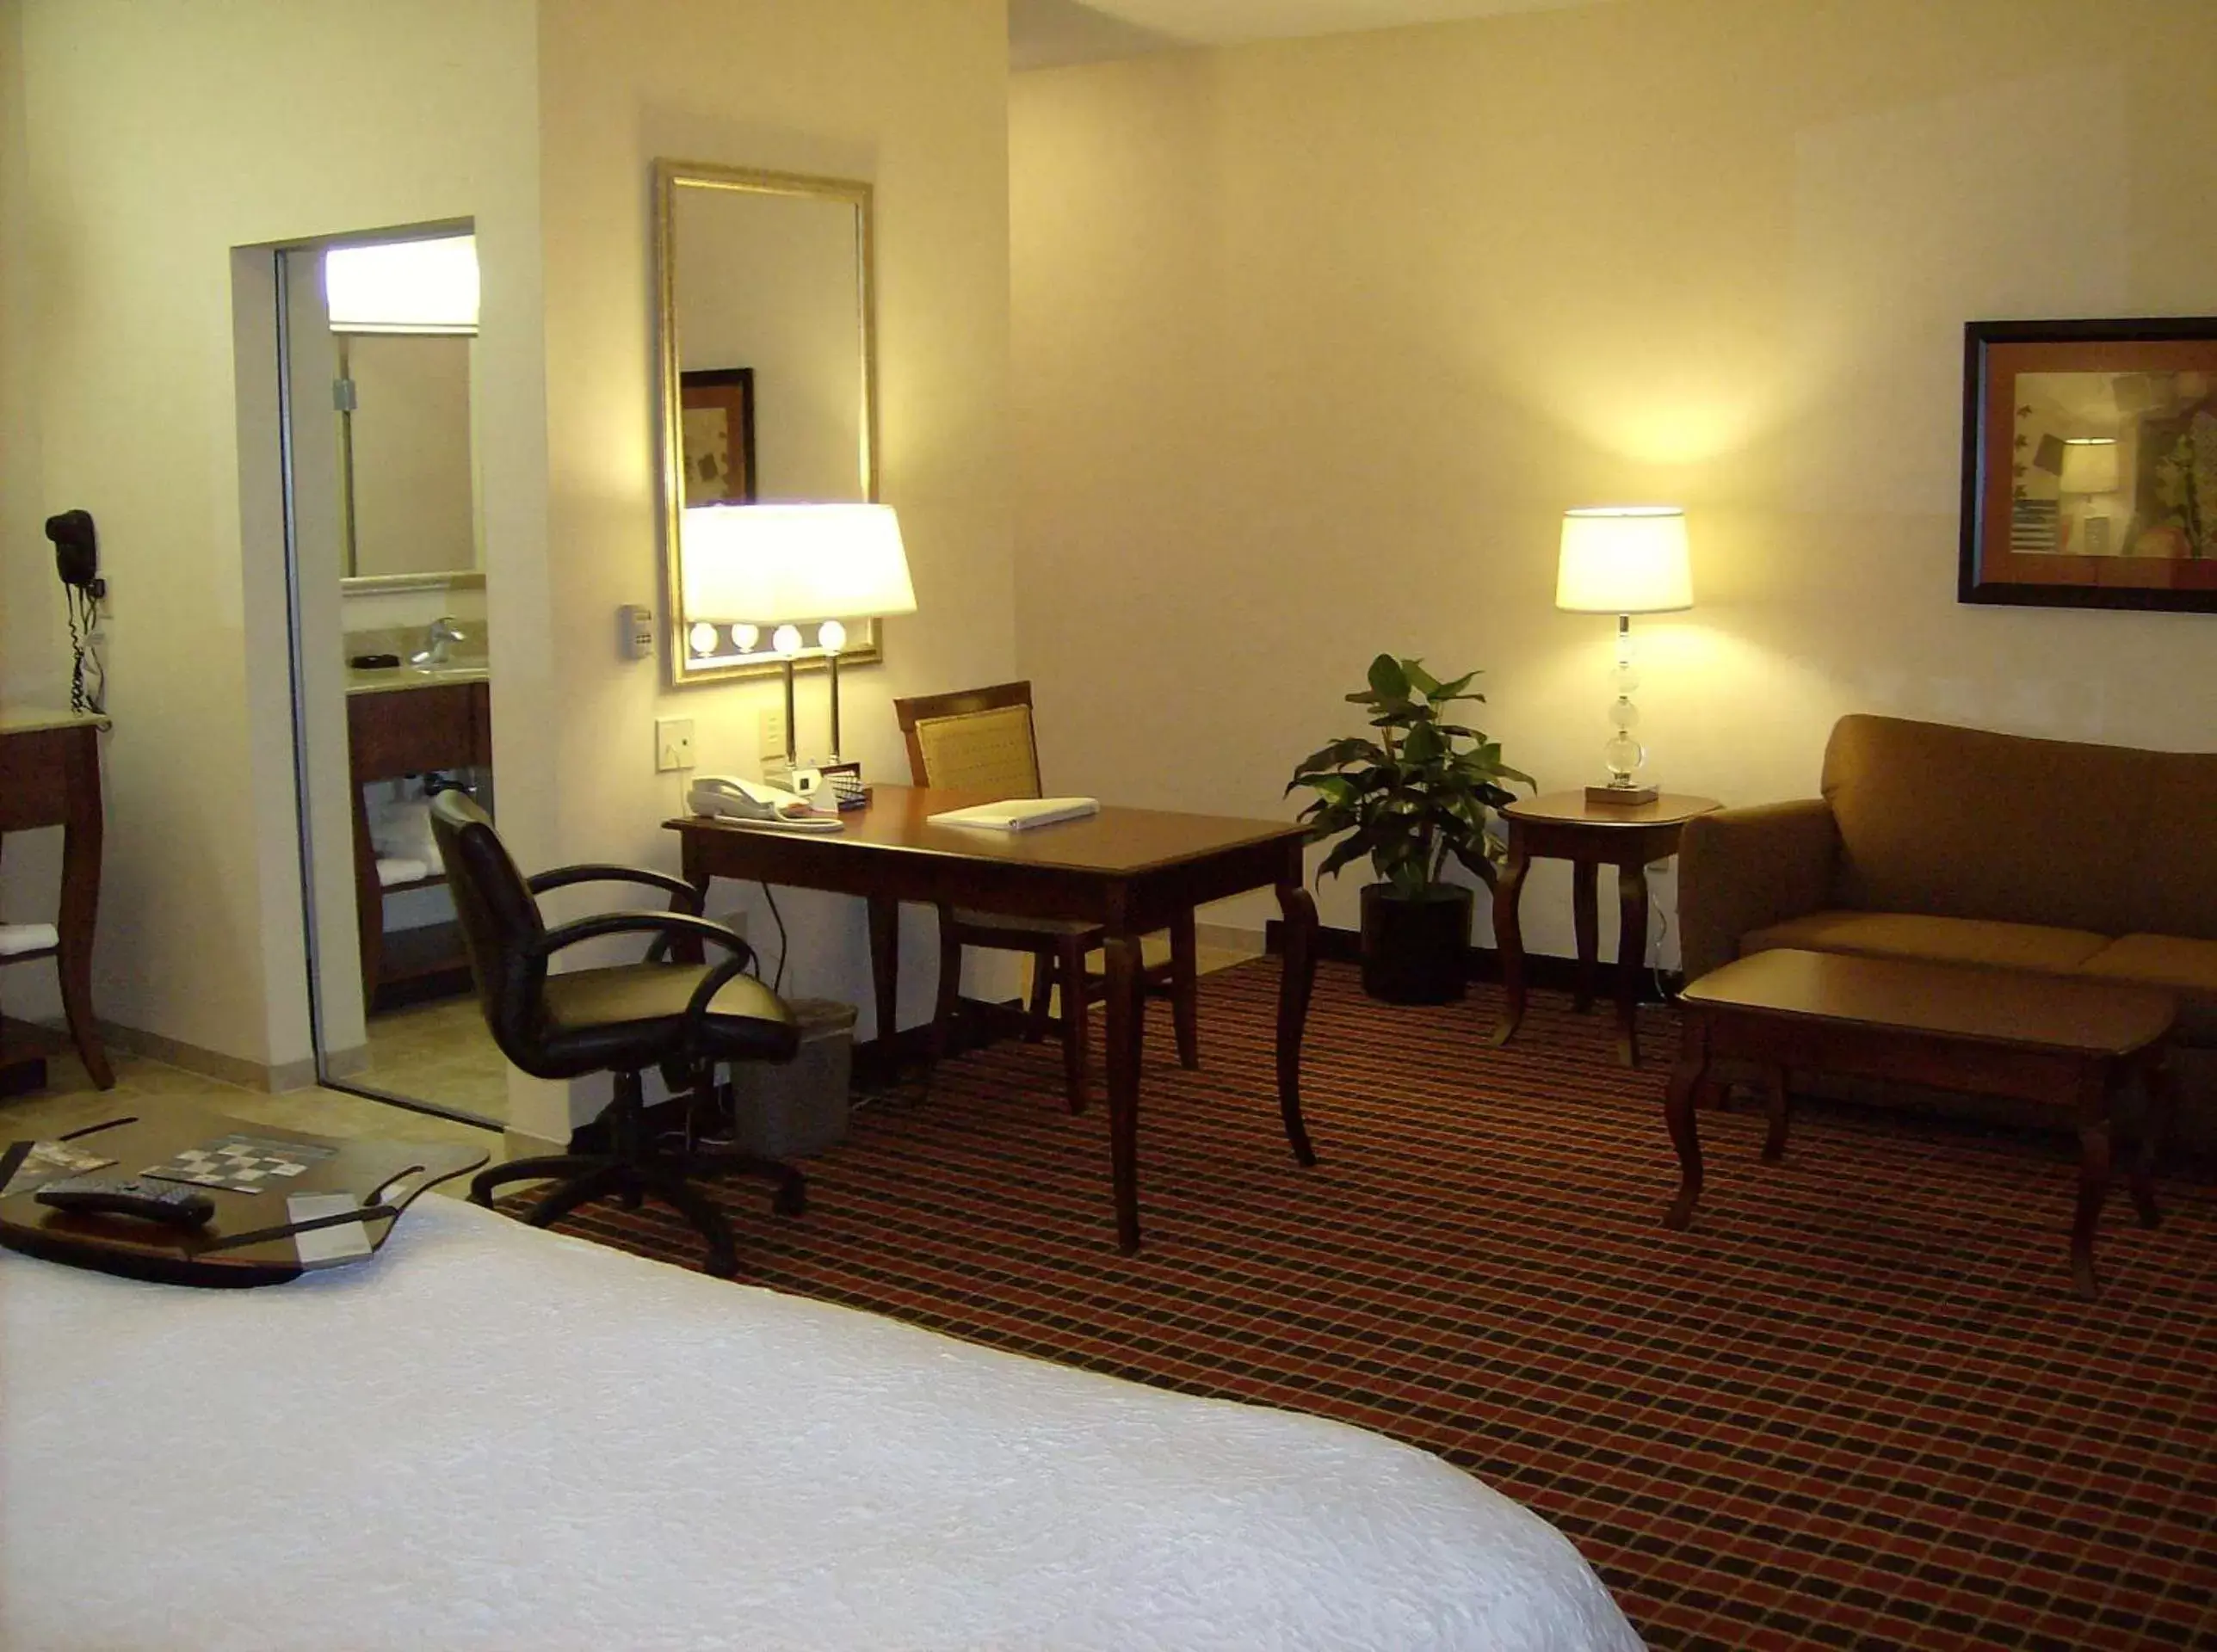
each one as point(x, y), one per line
point(2090, 464)
point(718, 406)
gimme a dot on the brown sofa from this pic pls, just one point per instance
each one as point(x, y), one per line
point(1961, 845)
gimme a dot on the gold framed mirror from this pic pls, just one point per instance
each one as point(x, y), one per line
point(769, 380)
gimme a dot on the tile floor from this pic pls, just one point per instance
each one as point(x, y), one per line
point(70, 1102)
point(438, 1052)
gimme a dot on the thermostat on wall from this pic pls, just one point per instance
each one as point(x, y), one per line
point(635, 631)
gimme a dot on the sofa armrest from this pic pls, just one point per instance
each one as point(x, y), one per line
point(1740, 869)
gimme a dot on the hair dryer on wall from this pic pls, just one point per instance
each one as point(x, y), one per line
point(77, 559)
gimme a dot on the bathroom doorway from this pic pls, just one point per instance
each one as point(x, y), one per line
point(392, 676)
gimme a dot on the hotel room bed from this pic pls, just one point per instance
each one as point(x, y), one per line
point(491, 1437)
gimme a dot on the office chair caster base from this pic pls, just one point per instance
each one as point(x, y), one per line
point(546, 1167)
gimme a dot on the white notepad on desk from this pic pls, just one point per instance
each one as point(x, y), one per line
point(1018, 814)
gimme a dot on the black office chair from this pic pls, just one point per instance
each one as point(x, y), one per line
point(682, 1018)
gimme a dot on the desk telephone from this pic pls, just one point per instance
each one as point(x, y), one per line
point(755, 802)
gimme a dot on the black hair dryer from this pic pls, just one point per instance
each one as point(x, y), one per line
point(77, 551)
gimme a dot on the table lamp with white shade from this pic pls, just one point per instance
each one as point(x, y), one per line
point(787, 565)
point(1624, 559)
point(2090, 469)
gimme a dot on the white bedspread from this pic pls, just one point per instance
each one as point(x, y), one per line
point(491, 1437)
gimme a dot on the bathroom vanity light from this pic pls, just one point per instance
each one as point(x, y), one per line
point(788, 565)
point(1624, 559)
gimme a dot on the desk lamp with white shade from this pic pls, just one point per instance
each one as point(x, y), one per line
point(1624, 559)
point(787, 565)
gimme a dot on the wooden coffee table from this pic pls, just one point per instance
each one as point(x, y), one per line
point(2063, 1043)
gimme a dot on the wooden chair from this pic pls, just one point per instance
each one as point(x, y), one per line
point(983, 738)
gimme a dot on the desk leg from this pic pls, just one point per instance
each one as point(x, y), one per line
point(80, 905)
point(1585, 925)
point(1631, 958)
point(885, 974)
point(1296, 982)
point(1509, 936)
point(1125, 1009)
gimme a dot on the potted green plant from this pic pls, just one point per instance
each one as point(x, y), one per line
point(1410, 797)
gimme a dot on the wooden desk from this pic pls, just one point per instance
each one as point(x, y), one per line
point(1564, 826)
point(1128, 870)
point(50, 776)
point(2062, 1043)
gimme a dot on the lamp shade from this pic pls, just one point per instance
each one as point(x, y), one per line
point(2090, 464)
point(779, 565)
point(1624, 559)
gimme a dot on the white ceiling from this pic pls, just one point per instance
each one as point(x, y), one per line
point(1043, 32)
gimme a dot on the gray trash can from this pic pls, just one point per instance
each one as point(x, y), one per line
point(799, 1108)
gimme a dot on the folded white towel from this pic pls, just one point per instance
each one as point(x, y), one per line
point(27, 938)
point(401, 869)
point(403, 830)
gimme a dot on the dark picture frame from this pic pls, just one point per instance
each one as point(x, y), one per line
point(2090, 464)
point(717, 406)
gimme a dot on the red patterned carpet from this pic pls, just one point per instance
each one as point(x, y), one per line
point(1856, 1407)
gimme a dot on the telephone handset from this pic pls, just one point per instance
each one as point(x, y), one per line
point(753, 803)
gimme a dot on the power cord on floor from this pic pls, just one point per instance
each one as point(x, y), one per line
point(777, 981)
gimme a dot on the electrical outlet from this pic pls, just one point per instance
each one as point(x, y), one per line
point(673, 742)
point(773, 735)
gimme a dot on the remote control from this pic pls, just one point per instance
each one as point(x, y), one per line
point(166, 1202)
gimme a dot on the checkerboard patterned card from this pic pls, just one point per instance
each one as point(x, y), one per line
point(241, 1164)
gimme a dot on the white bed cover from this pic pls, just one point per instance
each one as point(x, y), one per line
point(489, 1437)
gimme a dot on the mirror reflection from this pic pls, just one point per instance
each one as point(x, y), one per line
point(393, 677)
point(767, 375)
point(403, 317)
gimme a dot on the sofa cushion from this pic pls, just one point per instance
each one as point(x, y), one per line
point(1963, 824)
point(2188, 967)
point(1935, 940)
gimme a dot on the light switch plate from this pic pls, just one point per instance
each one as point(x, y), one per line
point(673, 742)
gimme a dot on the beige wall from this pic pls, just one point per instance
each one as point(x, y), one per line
point(157, 135)
point(911, 96)
point(1315, 342)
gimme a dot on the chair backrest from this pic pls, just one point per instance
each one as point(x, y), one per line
point(977, 738)
point(499, 920)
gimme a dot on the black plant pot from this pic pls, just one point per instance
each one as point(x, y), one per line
point(1416, 951)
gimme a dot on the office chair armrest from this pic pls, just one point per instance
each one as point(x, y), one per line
point(665, 927)
point(687, 896)
point(718, 977)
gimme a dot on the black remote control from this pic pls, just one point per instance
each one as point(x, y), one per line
point(167, 1202)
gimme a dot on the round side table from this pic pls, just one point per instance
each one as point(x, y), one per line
point(1565, 826)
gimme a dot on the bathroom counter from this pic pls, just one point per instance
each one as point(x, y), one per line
point(393, 679)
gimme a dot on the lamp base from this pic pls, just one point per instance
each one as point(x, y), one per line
point(1621, 797)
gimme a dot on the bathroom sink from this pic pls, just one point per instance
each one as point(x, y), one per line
point(381, 680)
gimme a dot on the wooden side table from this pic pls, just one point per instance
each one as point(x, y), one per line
point(1564, 826)
point(50, 776)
